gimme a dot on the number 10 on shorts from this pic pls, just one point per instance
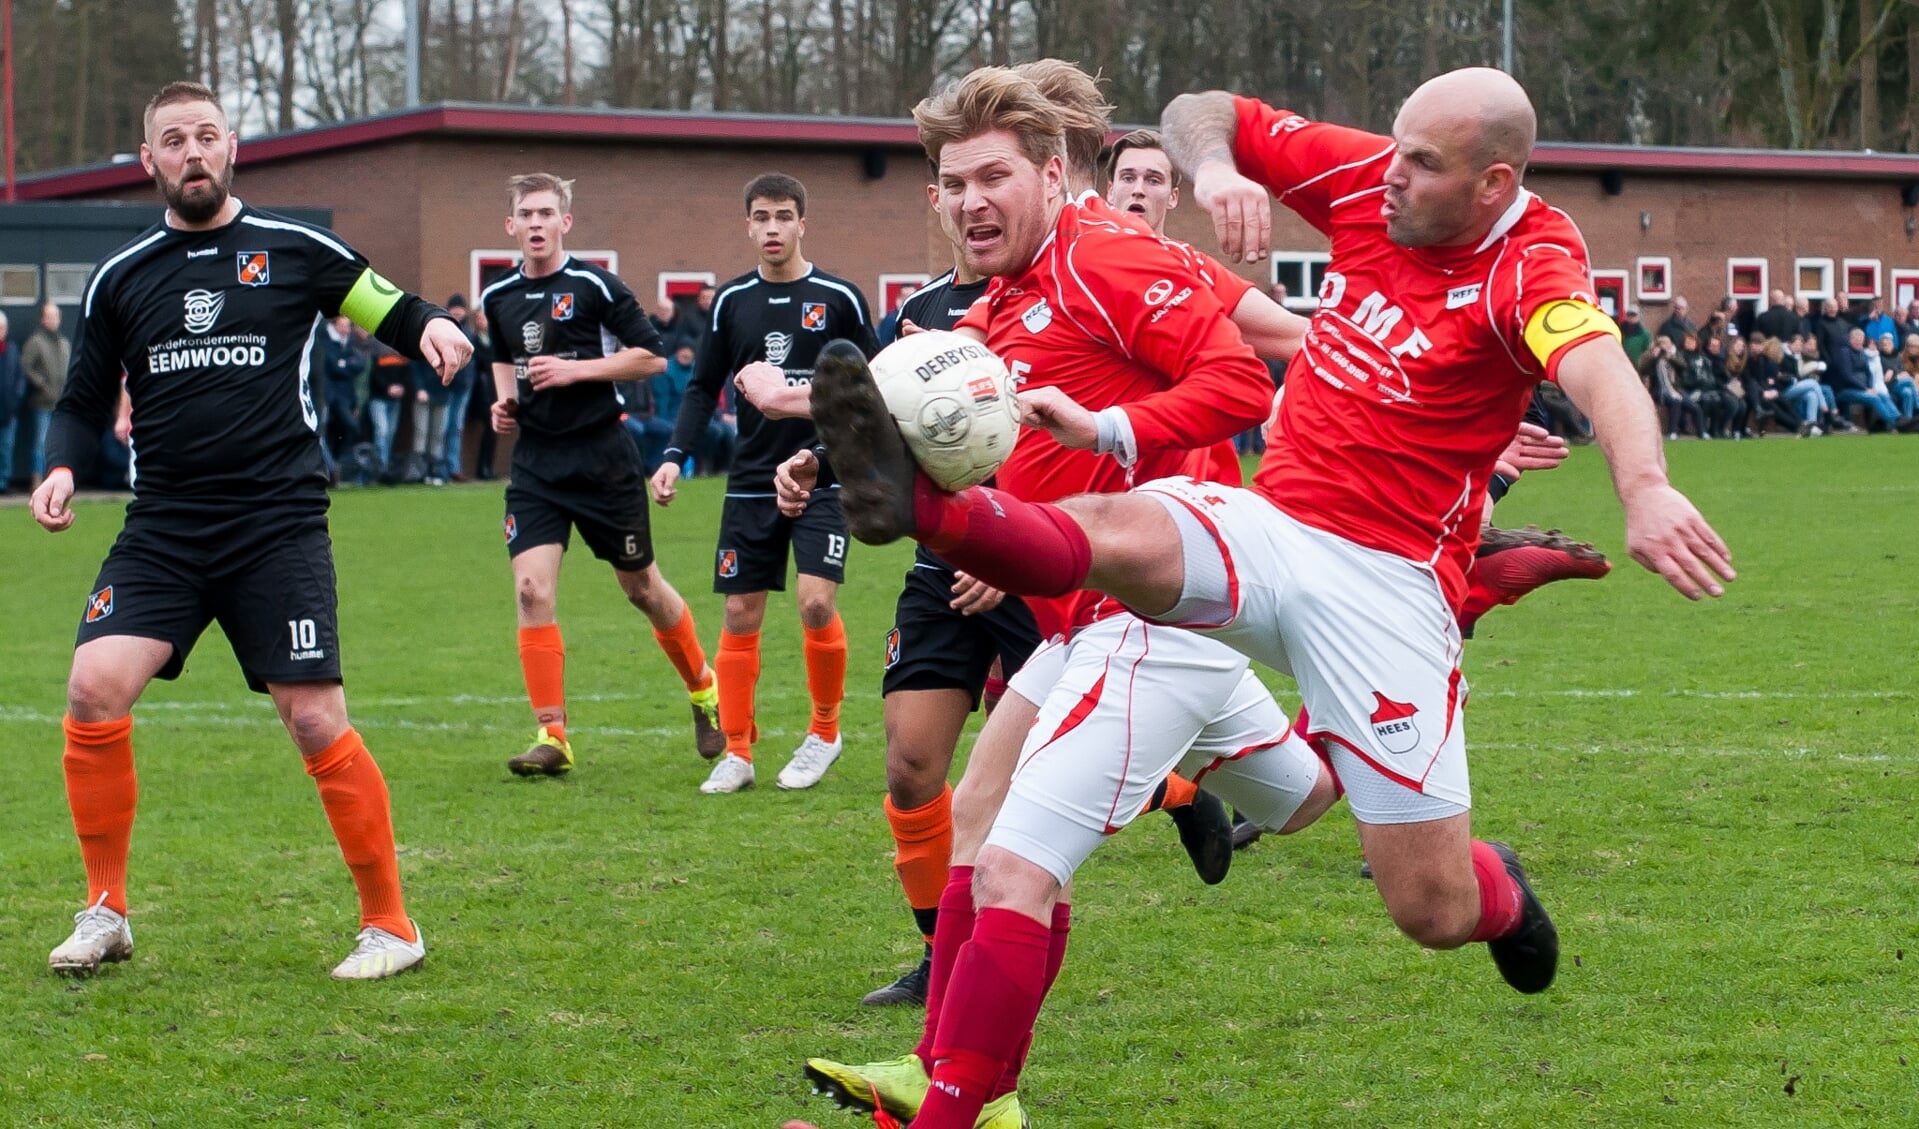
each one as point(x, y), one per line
point(303, 635)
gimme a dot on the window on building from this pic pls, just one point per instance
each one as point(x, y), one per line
point(19, 284)
point(1905, 289)
point(67, 282)
point(897, 288)
point(1610, 287)
point(1654, 278)
point(683, 284)
point(1862, 279)
point(1301, 273)
point(1812, 279)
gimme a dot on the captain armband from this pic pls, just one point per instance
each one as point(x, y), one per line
point(1564, 322)
point(371, 300)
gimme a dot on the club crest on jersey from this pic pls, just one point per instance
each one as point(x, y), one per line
point(254, 267)
point(563, 307)
point(100, 604)
point(533, 337)
point(892, 648)
point(813, 316)
point(778, 347)
point(512, 528)
point(1038, 316)
point(203, 309)
point(729, 566)
point(1395, 724)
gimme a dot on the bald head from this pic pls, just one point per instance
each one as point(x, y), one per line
point(1460, 147)
point(1484, 110)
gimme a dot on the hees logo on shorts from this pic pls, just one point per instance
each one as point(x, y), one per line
point(1395, 724)
point(100, 604)
point(729, 565)
point(892, 648)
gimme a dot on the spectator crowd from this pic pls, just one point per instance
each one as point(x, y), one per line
point(1788, 368)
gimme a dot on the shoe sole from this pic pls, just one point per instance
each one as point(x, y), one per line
point(414, 967)
point(783, 786)
point(89, 969)
point(830, 1087)
point(870, 459)
point(1206, 831)
point(892, 996)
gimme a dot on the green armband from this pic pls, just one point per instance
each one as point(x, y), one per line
point(370, 300)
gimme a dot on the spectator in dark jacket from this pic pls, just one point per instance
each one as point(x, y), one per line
point(1778, 321)
point(1830, 329)
point(1661, 368)
point(13, 399)
point(1850, 374)
point(458, 394)
point(389, 387)
point(343, 364)
point(1677, 323)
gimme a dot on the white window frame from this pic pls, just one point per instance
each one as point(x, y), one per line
point(901, 278)
point(1878, 278)
point(1662, 263)
point(703, 277)
point(1624, 279)
point(1824, 267)
point(1306, 260)
point(1907, 277)
point(34, 300)
point(1735, 265)
point(606, 260)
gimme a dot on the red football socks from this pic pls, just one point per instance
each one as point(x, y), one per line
point(1500, 900)
point(1025, 548)
point(998, 983)
point(1055, 958)
point(951, 931)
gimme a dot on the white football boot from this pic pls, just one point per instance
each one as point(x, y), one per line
point(731, 774)
point(810, 762)
point(99, 934)
point(378, 954)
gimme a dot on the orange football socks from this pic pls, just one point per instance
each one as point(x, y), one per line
point(738, 669)
point(922, 848)
point(543, 661)
point(681, 642)
point(101, 790)
point(355, 797)
point(826, 676)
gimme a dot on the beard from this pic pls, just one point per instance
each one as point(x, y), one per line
point(200, 202)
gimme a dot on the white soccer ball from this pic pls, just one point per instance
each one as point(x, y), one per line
point(953, 401)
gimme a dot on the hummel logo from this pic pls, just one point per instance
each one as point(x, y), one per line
point(946, 1088)
point(203, 252)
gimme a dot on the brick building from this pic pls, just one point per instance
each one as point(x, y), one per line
point(421, 192)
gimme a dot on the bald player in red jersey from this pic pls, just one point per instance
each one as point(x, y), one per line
point(1451, 292)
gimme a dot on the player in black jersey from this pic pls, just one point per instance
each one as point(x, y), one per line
point(777, 316)
point(212, 315)
point(564, 332)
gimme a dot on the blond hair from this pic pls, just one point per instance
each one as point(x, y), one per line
point(525, 184)
point(1088, 117)
point(988, 99)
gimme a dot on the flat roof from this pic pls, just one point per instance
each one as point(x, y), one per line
point(463, 119)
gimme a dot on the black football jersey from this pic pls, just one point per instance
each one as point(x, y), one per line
point(941, 303)
point(214, 331)
point(783, 323)
point(578, 312)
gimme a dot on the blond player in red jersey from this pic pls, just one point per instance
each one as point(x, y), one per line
point(1451, 291)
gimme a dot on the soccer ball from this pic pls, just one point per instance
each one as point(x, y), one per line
point(953, 401)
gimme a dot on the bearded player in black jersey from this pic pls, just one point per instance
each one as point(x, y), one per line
point(777, 315)
point(212, 315)
point(565, 332)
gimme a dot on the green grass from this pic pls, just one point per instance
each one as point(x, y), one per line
point(1715, 800)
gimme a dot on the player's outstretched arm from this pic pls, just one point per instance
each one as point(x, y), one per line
point(1198, 131)
point(1274, 331)
point(764, 386)
point(1664, 531)
point(630, 363)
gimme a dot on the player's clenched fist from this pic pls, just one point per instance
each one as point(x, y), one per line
point(1053, 411)
point(502, 414)
point(443, 346)
point(793, 482)
point(50, 500)
point(1242, 211)
point(664, 484)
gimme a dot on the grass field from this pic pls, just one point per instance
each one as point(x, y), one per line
point(1716, 801)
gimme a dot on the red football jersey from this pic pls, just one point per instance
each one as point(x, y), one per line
point(1416, 371)
point(1111, 315)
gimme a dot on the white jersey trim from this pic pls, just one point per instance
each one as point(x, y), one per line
point(852, 295)
point(310, 233)
point(720, 298)
point(1361, 163)
point(517, 274)
point(605, 290)
point(100, 275)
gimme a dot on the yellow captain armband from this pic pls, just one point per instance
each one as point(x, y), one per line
point(1564, 322)
point(373, 297)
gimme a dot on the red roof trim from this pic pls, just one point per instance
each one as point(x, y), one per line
point(713, 128)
